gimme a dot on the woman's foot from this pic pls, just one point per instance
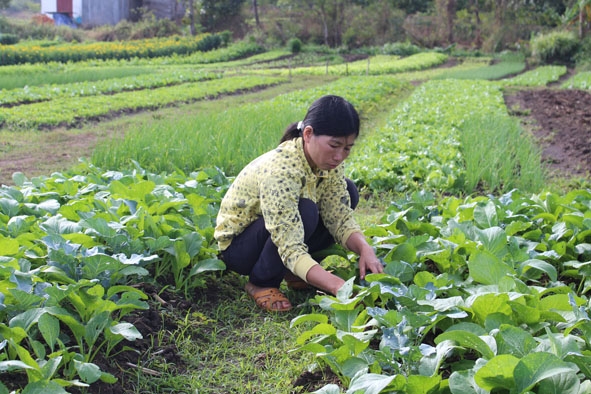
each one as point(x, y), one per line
point(268, 298)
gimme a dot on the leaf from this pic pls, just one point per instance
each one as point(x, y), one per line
point(537, 366)
point(193, 243)
point(207, 265)
point(539, 265)
point(369, 383)
point(89, 372)
point(50, 329)
point(494, 240)
point(328, 389)
point(515, 341)
point(11, 365)
point(310, 317)
point(485, 214)
point(497, 373)
point(486, 268)
point(462, 382)
point(488, 304)
point(44, 387)
point(8, 246)
point(467, 340)
point(127, 331)
point(417, 384)
point(567, 383)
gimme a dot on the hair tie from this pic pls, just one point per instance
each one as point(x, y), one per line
point(300, 125)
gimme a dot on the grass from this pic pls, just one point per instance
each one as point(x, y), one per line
point(234, 135)
point(506, 66)
point(61, 75)
point(227, 345)
point(193, 140)
point(501, 160)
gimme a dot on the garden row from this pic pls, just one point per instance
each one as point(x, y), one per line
point(146, 48)
point(479, 295)
point(67, 110)
point(88, 100)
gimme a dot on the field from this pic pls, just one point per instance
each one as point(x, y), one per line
point(487, 250)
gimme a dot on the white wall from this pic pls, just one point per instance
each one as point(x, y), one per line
point(48, 6)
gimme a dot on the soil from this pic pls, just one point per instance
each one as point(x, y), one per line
point(560, 120)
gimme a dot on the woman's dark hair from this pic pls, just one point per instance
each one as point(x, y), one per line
point(329, 115)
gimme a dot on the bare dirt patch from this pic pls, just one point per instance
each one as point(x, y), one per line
point(560, 120)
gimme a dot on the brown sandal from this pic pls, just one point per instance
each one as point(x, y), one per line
point(266, 299)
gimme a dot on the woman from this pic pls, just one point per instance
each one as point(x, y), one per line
point(293, 201)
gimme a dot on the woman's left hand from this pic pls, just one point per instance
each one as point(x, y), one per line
point(369, 262)
point(367, 257)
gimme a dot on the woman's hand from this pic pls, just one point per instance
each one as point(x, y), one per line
point(369, 262)
point(367, 257)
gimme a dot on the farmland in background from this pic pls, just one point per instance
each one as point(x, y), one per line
point(486, 262)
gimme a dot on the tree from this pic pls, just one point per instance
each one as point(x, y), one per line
point(331, 15)
point(255, 9)
point(4, 4)
point(219, 15)
point(580, 12)
point(447, 11)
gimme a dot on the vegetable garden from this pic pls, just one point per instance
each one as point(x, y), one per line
point(487, 255)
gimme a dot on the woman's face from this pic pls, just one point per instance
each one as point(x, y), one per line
point(325, 152)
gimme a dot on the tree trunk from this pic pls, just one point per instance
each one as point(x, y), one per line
point(256, 13)
point(192, 18)
point(451, 16)
point(324, 17)
point(478, 38)
point(582, 20)
point(500, 12)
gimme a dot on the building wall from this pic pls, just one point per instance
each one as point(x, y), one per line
point(96, 13)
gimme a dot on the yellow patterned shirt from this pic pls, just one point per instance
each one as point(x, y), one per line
point(271, 186)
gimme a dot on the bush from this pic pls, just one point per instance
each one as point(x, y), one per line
point(209, 43)
point(555, 47)
point(8, 39)
point(400, 49)
point(295, 45)
point(583, 56)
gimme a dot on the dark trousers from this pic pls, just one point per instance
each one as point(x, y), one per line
point(253, 253)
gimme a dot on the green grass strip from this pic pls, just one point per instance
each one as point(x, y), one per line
point(374, 65)
point(231, 138)
point(155, 79)
point(540, 76)
point(508, 65)
point(581, 80)
point(499, 155)
point(69, 111)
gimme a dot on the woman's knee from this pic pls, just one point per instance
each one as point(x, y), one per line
point(353, 193)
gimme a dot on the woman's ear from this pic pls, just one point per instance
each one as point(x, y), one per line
point(307, 133)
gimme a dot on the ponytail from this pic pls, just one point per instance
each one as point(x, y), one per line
point(291, 132)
